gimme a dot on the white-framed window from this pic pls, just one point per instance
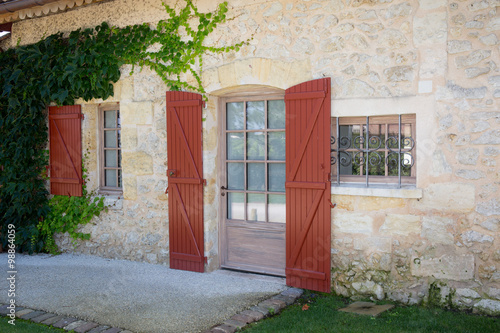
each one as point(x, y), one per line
point(375, 150)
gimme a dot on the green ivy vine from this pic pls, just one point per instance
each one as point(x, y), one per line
point(67, 214)
point(82, 64)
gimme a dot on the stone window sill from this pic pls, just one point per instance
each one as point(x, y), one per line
point(405, 192)
point(113, 201)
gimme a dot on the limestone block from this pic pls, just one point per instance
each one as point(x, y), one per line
point(494, 24)
point(137, 163)
point(227, 75)
point(393, 39)
point(378, 203)
point(467, 293)
point(399, 224)
point(303, 46)
point(275, 8)
point(137, 113)
point(370, 288)
point(489, 40)
point(452, 267)
point(491, 137)
point(488, 306)
point(471, 237)
point(492, 224)
point(430, 29)
point(126, 89)
point(489, 208)
point(449, 197)
point(400, 10)
point(457, 46)
point(431, 4)
point(373, 244)
point(129, 137)
point(472, 59)
point(435, 229)
point(357, 88)
point(278, 73)
point(468, 156)
point(353, 223)
point(470, 174)
point(399, 73)
point(455, 91)
point(332, 44)
point(494, 81)
point(129, 188)
point(473, 72)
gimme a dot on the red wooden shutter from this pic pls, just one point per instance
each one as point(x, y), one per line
point(65, 134)
point(308, 215)
point(185, 183)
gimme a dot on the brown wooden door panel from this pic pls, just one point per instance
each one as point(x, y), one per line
point(264, 253)
point(308, 224)
point(185, 189)
point(65, 150)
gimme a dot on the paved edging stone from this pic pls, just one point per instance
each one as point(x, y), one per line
point(64, 322)
point(264, 309)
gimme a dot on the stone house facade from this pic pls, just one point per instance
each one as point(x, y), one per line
point(426, 69)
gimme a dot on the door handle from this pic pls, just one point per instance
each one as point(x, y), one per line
point(222, 190)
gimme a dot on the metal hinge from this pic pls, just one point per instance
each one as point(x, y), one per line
point(332, 205)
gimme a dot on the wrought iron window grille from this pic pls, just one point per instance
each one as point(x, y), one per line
point(366, 150)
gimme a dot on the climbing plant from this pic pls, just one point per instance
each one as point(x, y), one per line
point(82, 64)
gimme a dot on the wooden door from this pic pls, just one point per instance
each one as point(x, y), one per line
point(185, 180)
point(253, 184)
point(65, 148)
point(308, 215)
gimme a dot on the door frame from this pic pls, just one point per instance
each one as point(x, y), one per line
point(247, 93)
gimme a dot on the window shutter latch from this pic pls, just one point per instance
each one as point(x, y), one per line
point(332, 205)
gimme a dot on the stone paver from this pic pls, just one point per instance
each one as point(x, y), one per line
point(64, 322)
point(85, 328)
point(75, 324)
point(33, 314)
point(224, 329)
point(113, 330)
point(23, 312)
point(367, 308)
point(52, 320)
point(43, 317)
point(98, 329)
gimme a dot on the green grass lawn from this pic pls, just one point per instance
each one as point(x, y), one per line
point(23, 326)
point(322, 316)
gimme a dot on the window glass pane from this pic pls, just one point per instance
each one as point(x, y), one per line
point(276, 177)
point(119, 138)
point(110, 139)
point(119, 178)
point(256, 177)
point(236, 206)
point(111, 158)
point(276, 147)
point(256, 146)
point(119, 158)
point(110, 178)
point(235, 176)
point(235, 146)
point(110, 119)
point(276, 114)
point(277, 208)
point(256, 115)
point(234, 116)
point(256, 207)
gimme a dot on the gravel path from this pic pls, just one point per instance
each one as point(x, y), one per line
point(137, 296)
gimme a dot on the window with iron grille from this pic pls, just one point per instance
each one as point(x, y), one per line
point(370, 151)
point(110, 148)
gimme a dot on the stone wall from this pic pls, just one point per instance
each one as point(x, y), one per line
point(434, 58)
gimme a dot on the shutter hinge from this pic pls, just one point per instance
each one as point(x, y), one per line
point(204, 181)
point(332, 205)
point(166, 191)
point(206, 260)
point(81, 116)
